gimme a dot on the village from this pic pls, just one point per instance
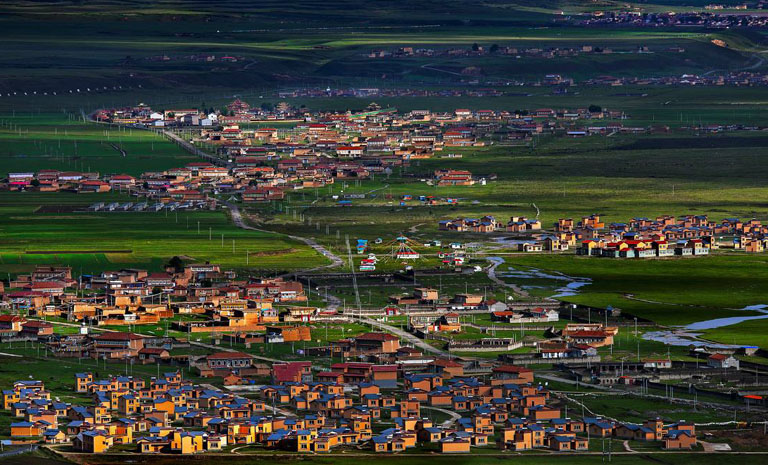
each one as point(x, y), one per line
point(664, 236)
point(263, 164)
point(362, 406)
point(711, 18)
point(375, 389)
point(380, 403)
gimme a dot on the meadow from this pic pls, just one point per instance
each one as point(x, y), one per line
point(91, 242)
point(142, 46)
point(31, 141)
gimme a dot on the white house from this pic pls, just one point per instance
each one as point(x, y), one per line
point(722, 361)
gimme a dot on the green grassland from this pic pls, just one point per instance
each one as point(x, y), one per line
point(93, 241)
point(108, 44)
point(33, 141)
point(753, 332)
point(676, 291)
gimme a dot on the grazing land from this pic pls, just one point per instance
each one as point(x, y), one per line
point(136, 239)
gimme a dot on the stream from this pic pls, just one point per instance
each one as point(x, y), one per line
point(687, 335)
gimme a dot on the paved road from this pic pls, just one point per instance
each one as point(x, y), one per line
point(192, 149)
point(757, 64)
point(336, 261)
point(227, 349)
point(573, 382)
point(432, 68)
point(449, 422)
point(402, 335)
point(19, 451)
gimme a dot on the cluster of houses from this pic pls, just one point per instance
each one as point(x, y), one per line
point(376, 92)
point(203, 297)
point(161, 415)
point(378, 408)
point(518, 52)
point(718, 363)
point(488, 224)
point(56, 181)
point(702, 18)
point(733, 78)
point(375, 135)
point(427, 297)
point(680, 435)
point(664, 236)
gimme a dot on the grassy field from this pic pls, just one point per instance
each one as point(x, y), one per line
point(34, 141)
point(104, 46)
point(753, 332)
point(92, 242)
point(670, 291)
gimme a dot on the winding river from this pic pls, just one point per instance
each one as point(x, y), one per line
point(688, 335)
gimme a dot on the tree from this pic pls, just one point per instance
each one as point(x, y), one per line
point(35, 182)
point(494, 48)
point(595, 108)
point(177, 263)
point(475, 47)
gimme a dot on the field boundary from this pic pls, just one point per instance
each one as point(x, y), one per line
point(53, 252)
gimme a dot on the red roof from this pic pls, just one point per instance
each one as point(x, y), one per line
point(597, 334)
point(37, 324)
point(152, 350)
point(117, 336)
point(381, 337)
point(47, 285)
point(345, 366)
point(229, 356)
point(384, 368)
point(446, 363)
point(288, 371)
point(511, 369)
point(503, 313)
